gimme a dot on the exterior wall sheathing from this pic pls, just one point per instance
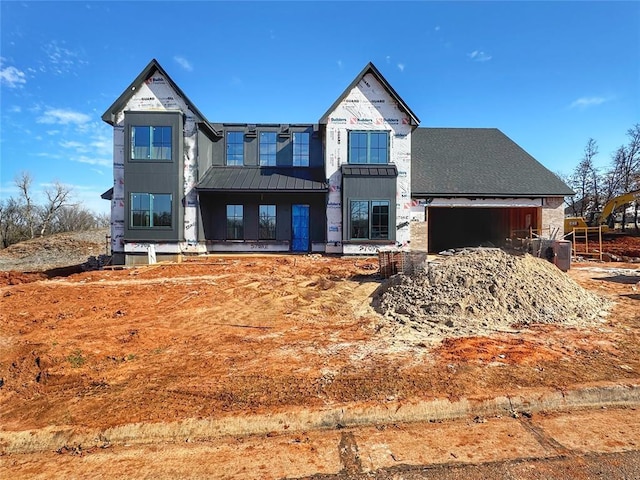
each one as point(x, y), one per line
point(156, 94)
point(368, 106)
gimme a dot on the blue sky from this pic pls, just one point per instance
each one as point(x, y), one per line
point(550, 75)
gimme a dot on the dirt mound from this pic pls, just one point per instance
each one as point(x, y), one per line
point(479, 291)
point(54, 251)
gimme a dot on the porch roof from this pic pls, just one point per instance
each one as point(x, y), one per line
point(261, 179)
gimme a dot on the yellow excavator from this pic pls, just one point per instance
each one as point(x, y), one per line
point(605, 218)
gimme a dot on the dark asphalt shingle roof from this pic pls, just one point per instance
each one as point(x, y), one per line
point(370, 171)
point(477, 162)
point(260, 179)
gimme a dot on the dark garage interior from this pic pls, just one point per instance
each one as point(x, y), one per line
point(456, 227)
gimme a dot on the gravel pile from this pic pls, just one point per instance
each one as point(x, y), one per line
point(478, 291)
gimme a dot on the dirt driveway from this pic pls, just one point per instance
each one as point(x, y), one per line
point(231, 337)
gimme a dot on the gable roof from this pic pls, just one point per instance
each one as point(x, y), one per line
point(371, 68)
point(148, 72)
point(260, 179)
point(479, 162)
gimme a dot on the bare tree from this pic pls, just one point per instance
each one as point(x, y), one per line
point(625, 168)
point(73, 218)
point(11, 222)
point(584, 181)
point(29, 210)
point(58, 196)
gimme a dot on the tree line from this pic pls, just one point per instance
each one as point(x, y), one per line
point(23, 218)
point(594, 187)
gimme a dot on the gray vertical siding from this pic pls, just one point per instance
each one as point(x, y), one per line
point(368, 188)
point(143, 176)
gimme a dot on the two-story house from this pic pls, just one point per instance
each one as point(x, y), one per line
point(364, 176)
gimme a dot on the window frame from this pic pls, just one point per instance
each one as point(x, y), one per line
point(367, 147)
point(133, 128)
point(229, 143)
point(370, 226)
point(272, 220)
point(151, 214)
point(235, 216)
point(297, 145)
point(268, 158)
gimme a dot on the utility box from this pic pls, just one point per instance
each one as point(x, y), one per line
point(562, 249)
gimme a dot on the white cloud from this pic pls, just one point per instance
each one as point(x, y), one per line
point(15, 109)
point(61, 116)
point(184, 63)
point(11, 76)
point(401, 67)
point(388, 57)
point(339, 62)
point(479, 56)
point(437, 29)
point(70, 144)
point(61, 60)
point(585, 102)
point(101, 162)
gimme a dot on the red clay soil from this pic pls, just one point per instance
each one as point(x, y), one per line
point(622, 245)
point(251, 334)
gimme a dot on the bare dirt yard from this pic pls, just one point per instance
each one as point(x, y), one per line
point(142, 355)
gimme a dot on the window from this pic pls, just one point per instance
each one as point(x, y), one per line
point(300, 149)
point(368, 147)
point(379, 220)
point(235, 222)
point(268, 149)
point(150, 210)
point(235, 148)
point(370, 219)
point(150, 143)
point(267, 226)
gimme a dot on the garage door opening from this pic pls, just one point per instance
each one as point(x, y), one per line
point(457, 227)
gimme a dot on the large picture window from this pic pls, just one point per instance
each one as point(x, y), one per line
point(369, 147)
point(300, 149)
point(235, 222)
point(267, 225)
point(235, 148)
point(268, 147)
point(150, 210)
point(369, 219)
point(150, 143)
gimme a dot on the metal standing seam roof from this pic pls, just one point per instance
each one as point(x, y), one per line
point(260, 179)
point(370, 170)
point(484, 162)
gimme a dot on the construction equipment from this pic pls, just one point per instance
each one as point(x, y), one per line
point(606, 218)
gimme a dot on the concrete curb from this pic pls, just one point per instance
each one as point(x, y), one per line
point(300, 419)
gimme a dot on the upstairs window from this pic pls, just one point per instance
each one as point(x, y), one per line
point(151, 210)
point(369, 219)
point(369, 147)
point(268, 145)
point(300, 149)
point(235, 148)
point(235, 222)
point(267, 226)
point(151, 143)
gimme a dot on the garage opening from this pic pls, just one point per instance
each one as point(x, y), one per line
point(456, 227)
